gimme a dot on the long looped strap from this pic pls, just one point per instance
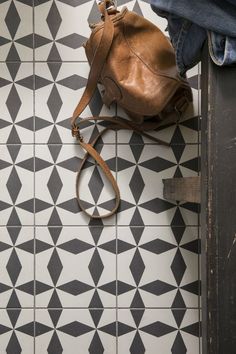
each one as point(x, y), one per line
point(116, 123)
point(97, 64)
point(90, 151)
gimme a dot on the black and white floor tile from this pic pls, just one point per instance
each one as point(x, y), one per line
point(17, 331)
point(17, 185)
point(17, 267)
point(125, 284)
point(141, 169)
point(76, 267)
point(16, 30)
point(58, 89)
point(158, 267)
point(55, 176)
point(71, 331)
point(148, 331)
point(16, 101)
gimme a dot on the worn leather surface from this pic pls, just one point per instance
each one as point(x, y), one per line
point(140, 72)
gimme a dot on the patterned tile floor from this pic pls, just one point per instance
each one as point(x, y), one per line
point(129, 284)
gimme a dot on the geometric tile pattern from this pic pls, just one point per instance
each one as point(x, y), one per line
point(17, 331)
point(141, 169)
point(56, 85)
point(16, 100)
point(126, 284)
point(62, 331)
point(56, 204)
point(17, 185)
point(158, 267)
point(16, 36)
point(17, 267)
point(142, 331)
point(75, 267)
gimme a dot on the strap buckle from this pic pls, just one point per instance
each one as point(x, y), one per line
point(107, 6)
point(76, 133)
point(109, 3)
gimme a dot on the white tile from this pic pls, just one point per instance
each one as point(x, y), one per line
point(17, 266)
point(64, 190)
point(157, 329)
point(64, 19)
point(76, 329)
point(16, 100)
point(56, 99)
point(147, 266)
point(17, 31)
point(17, 185)
point(145, 191)
point(13, 336)
point(86, 266)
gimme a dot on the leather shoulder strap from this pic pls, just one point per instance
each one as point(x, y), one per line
point(90, 151)
point(115, 123)
point(98, 61)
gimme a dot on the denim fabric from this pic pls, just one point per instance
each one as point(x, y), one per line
point(232, 2)
point(222, 48)
point(189, 24)
point(215, 15)
point(182, 32)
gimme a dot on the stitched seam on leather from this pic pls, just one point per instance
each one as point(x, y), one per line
point(116, 99)
point(178, 82)
point(132, 50)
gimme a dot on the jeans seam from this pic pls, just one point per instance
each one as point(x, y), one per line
point(179, 46)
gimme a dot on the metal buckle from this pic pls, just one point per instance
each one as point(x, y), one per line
point(112, 3)
point(76, 133)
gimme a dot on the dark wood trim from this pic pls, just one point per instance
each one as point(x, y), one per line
point(218, 209)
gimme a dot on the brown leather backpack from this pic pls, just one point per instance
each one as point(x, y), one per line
point(135, 63)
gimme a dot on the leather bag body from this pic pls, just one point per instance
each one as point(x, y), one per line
point(140, 72)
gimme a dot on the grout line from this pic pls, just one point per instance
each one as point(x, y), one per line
point(112, 225)
point(34, 123)
point(43, 61)
point(199, 219)
point(126, 144)
point(98, 308)
point(116, 226)
point(93, 226)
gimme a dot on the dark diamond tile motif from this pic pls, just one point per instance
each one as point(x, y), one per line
point(13, 103)
point(137, 267)
point(95, 184)
point(54, 103)
point(55, 345)
point(16, 36)
point(126, 284)
point(55, 267)
point(14, 267)
point(54, 185)
point(96, 267)
point(12, 26)
point(14, 185)
point(54, 20)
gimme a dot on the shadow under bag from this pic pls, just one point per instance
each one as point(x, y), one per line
point(135, 63)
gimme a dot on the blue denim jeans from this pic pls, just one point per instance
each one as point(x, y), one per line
point(222, 48)
point(191, 22)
